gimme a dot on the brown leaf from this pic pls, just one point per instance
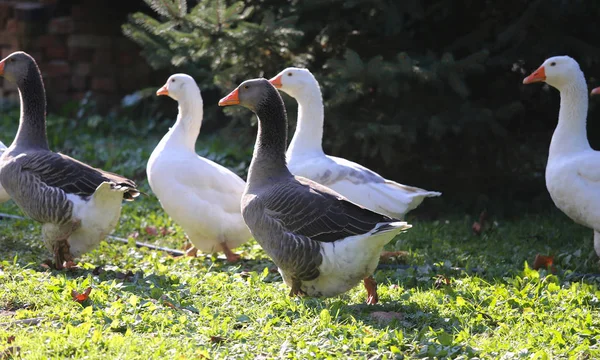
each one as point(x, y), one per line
point(98, 270)
point(10, 339)
point(151, 230)
point(477, 226)
point(81, 297)
point(542, 261)
point(387, 255)
point(273, 269)
point(441, 280)
point(217, 339)
point(386, 317)
point(126, 276)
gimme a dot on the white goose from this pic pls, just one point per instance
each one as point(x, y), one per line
point(4, 197)
point(573, 169)
point(305, 156)
point(202, 196)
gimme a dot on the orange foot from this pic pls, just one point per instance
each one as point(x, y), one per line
point(371, 287)
point(230, 255)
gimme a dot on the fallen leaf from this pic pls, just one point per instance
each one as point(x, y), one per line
point(386, 317)
point(543, 262)
point(151, 230)
point(273, 269)
point(134, 235)
point(10, 339)
point(192, 251)
point(217, 339)
point(477, 226)
point(126, 276)
point(165, 231)
point(98, 270)
point(387, 255)
point(441, 280)
point(81, 297)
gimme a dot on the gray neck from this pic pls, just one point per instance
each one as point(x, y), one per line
point(570, 134)
point(32, 124)
point(268, 160)
point(308, 136)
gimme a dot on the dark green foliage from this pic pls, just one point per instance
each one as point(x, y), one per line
point(427, 93)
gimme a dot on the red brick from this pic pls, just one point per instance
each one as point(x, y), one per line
point(79, 82)
point(12, 25)
point(56, 68)
point(9, 39)
point(79, 12)
point(7, 51)
point(48, 41)
point(61, 25)
point(125, 58)
point(82, 69)
point(81, 54)
point(57, 84)
point(88, 41)
point(104, 84)
point(57, 53)
point(102, 57)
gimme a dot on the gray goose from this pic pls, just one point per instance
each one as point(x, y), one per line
point(78, 205)
point(323, 244)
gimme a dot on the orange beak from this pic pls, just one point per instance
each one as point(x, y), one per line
point(162, 91)
point(276, 81)
point(596, 91)
point(2, 67)
point(231, 99)
point(536, 76)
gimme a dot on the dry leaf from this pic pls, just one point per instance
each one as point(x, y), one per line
point(98, 270)
point(151, 230)
point(441, 280)
point(273, 269)
point(10, 339)
point(543, 262)
point(126, 276)
point(477, 226)
point(81, 297)
point(386, 317)
point(387, 255)
point(217, 339)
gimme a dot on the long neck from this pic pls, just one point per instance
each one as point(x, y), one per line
point(187, 127)
point(570, 134)
point(32, 124)
point(268, 160)
point(308, 136)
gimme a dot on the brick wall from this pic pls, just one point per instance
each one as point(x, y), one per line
point(78, 46)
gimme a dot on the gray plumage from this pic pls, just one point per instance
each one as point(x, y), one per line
point(46, 185)
point(298, 221)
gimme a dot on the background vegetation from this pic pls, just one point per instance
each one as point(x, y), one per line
point(431, 90)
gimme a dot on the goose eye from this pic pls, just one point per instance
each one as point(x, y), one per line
point(245, 86)
point(172, 80)
point(289, 74)
point(552, 63)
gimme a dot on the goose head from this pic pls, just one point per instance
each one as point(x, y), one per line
point(251, 94)
point(17, 66)
point(557, 71)
point(294, 81)
point(179, 87)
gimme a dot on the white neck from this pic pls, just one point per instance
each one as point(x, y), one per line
point(309, 127)
point(187, 127)
point(570, 134)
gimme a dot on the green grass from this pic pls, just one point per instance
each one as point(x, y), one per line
point(147, 305)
